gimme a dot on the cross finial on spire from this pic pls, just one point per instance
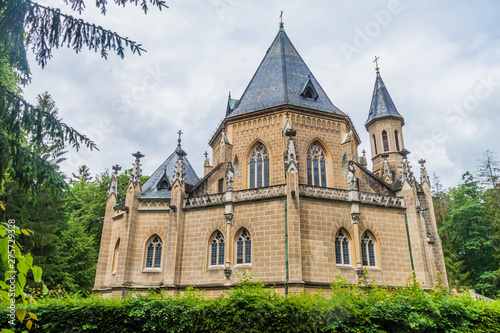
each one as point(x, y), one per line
point(116, 168)
point(206, 154)
point(364, 152)
point(421, 162)
point(281, 19)
point(376, 63)
point(179, 140)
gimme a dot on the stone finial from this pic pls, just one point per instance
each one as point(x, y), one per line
point(179, 171)
point(407, 174)
point(135, 176)
point(386, 172)
point(291, 158)
point(113, 187)
point(424, 177)
point(362, 159)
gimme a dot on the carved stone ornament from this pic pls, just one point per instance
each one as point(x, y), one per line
point(135, 176)
point(113, 187)
point(291, 158)
point(355, 218)
point(229, 218)
point(424, 177)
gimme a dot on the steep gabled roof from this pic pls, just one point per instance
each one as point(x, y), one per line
point(151, 190)
point(281, 79)
point(382, 104)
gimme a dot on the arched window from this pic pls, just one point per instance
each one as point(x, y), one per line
point(342, 248)
point(243, 248)
point(258, 165)
point(217, 249)
point(368, 250)
point(153, 252)
point(396, 139)
point(316, 166)
point(385, 141)
point(375, 144)
point(115, 256)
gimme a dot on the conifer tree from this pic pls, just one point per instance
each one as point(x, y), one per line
point(24, 25)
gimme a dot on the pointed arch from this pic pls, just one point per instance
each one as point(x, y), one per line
point(243, 247)
point(154, 249)
point(316, 163)
point(368, 249)
point(342, 247)
point(396, 139)
point(116, 252)
point(385, 141)
point(258, 165)
point(216, 249)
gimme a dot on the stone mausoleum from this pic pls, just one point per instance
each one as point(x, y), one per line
point(285, 196)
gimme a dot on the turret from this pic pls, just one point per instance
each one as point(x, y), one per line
point(384, 125)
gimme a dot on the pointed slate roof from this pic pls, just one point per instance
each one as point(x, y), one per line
point(280, 80)
point(150, 188)
point(382, 104)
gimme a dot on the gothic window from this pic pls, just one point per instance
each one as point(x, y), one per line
point(243, 248)
point(375, 144)
point(396, 139)
point(342, 248)
point(385, 141)
point(316, 166)
point(368, 250)
point(115, 256)
point(258, 164)
point(220, 185)
point(217, 249)
point(153, 252)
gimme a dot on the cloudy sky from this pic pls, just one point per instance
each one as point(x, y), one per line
point(440, 61)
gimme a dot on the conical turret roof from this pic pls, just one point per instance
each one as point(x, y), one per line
point(283, 78)
point(382, 104)
point(159, 184)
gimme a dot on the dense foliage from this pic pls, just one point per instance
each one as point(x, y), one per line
point(252, 308)
point(468, 218)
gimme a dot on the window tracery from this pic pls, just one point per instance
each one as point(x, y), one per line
point(258, 164)
point(153, 252)
point(243, 247)
point(342, 256)
point(217, 247)
point(316, 166)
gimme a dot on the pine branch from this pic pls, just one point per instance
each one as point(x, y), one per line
point(48, 28)
point(19, 118)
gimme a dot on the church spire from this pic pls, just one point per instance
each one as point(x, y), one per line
point(382, 104)
point(282, 78)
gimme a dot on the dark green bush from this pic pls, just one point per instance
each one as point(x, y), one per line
point(252, 308)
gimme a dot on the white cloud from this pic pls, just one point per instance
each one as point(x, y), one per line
point(432, 55)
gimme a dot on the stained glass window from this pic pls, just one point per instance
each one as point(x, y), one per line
point(243, 247)
point(368, 249)
point(217, 249)
point(316, 166)
point(342, 248)
point(258, 164)
point(153, 253)
point(385, 141)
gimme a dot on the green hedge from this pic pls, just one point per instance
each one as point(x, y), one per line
point(253, 308)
